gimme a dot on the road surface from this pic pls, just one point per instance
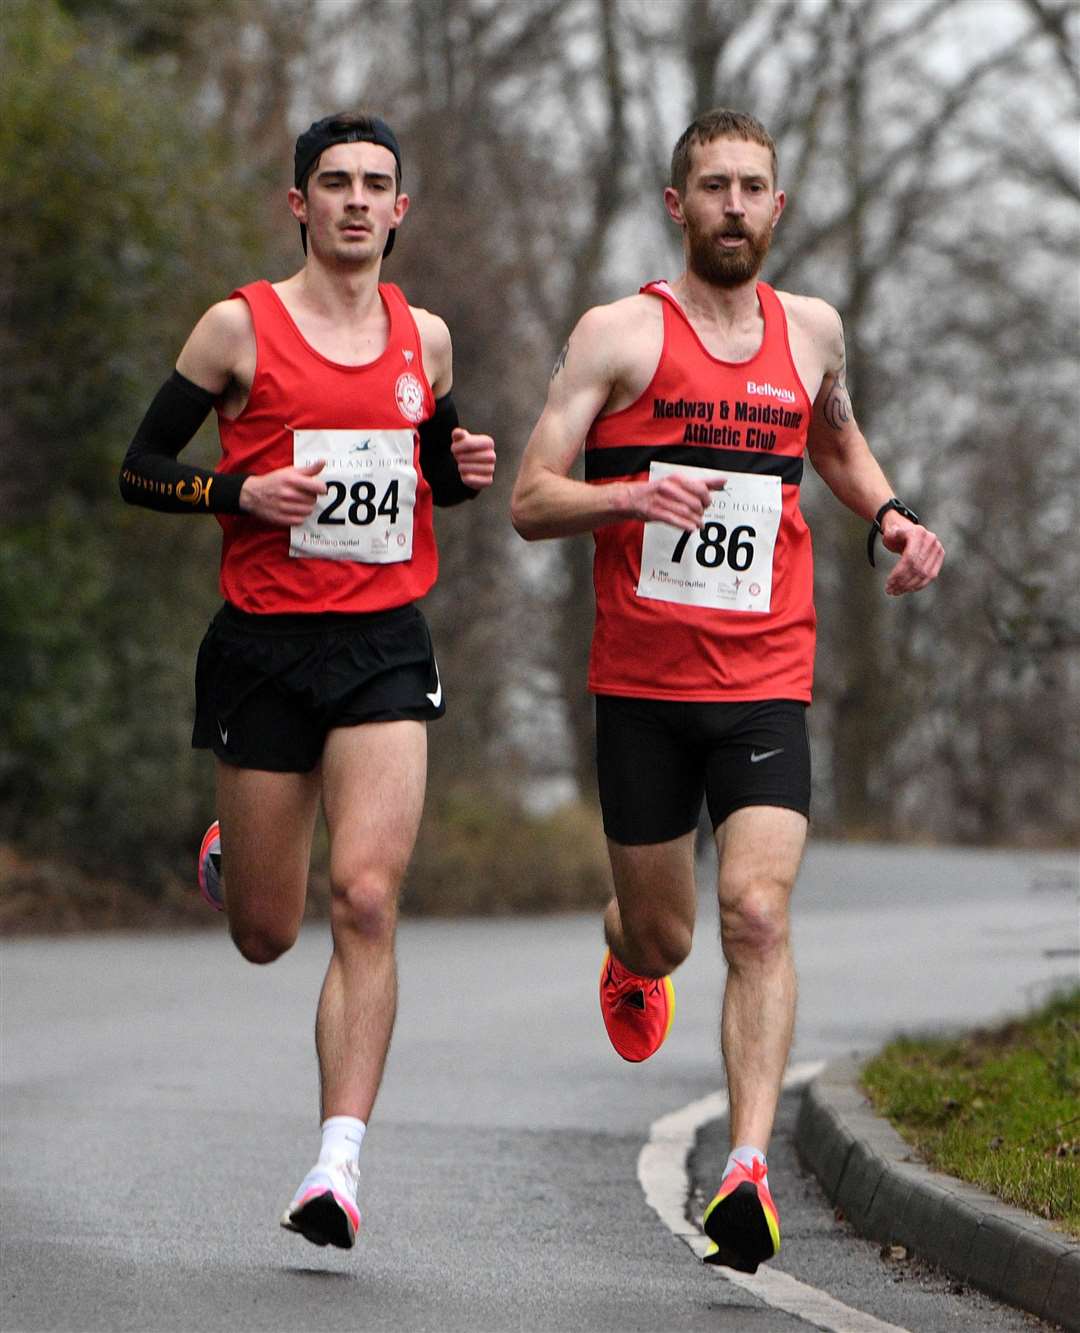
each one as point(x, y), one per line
point(159, 1108)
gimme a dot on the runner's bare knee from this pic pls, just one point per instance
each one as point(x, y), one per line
point(365, 900)
point(753, 924)
point(262, 943)
point(660, 940)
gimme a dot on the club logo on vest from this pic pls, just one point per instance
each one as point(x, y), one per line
point(409, 393)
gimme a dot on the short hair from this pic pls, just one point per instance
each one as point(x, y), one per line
point(719, 123)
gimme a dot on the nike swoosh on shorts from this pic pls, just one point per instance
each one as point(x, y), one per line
point(435, 697)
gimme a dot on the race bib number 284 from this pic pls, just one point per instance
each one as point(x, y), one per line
point(728, 562)
point(366, 514)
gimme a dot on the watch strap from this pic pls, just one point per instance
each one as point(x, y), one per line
point(875, 527)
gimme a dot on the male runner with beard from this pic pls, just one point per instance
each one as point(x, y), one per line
point(695, 402)
point(316, 679)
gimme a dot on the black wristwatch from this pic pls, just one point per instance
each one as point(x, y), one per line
point(875, 527)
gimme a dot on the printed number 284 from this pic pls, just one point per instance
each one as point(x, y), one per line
point(363, 509)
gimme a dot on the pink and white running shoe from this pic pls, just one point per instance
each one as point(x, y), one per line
point(209, 867)
point(324, 1209)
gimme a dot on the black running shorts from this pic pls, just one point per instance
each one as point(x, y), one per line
point(657, 758)
point(268, 688)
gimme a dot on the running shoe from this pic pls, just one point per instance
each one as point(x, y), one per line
point(742, 1221)
point(637, 1010)
point(210, 868)
point(324, 1209)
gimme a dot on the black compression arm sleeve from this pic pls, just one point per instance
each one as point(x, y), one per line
point(437, 463)
point(150, 474)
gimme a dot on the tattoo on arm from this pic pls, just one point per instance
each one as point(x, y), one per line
point(560, 360)
point(837, 407)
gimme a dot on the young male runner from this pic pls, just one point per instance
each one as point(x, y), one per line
point(316, 679)
point(695, 402)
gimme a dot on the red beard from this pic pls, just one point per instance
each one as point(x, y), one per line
point(727, 268)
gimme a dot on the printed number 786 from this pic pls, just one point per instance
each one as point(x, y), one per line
point(710, 551)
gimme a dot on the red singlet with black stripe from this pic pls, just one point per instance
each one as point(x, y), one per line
point(370, 544)
point(727, 613)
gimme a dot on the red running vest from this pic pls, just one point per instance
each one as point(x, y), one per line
point(296, 389)
point(725, 614)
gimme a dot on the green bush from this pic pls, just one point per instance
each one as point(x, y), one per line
point(479, 853)
point(125, 219)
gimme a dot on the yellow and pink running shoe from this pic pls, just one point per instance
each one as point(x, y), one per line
point(209, 868)
point(637, 1010)
point(742, 1221)
point(324, 1209)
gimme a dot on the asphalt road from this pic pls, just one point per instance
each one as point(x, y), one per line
point(159, 1109)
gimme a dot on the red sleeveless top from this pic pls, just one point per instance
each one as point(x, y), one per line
point(725, 614)
point(370, 544)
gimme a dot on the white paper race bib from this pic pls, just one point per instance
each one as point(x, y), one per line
point(728, 562)
point(366, 514)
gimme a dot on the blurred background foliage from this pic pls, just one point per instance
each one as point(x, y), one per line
point(929, 149)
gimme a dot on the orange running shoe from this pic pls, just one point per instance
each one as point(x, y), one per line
point(637, 1010)
point(742, 1221)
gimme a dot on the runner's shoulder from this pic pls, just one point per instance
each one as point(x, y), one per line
point(221, 344)
point(227, 323)
point(432, 328)
point(626, 315)
point(435, 341)
point(810, 313)
point(614, 338)
point(233, 314)
point(814, 321)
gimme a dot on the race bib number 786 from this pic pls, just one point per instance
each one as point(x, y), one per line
point(728, 561)
point(366, 514)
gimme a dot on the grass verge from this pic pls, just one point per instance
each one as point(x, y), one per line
point(999, 1108)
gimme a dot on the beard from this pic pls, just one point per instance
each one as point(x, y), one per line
point(727, 268)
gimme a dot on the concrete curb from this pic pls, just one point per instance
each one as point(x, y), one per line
point(867, 1170)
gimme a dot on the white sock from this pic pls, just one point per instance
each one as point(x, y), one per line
point(745, 1155)
point(342, 1136)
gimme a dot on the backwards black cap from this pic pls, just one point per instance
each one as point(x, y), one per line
point(343, 127)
